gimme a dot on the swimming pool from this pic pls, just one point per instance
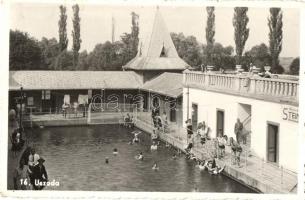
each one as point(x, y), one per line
point(75, 157)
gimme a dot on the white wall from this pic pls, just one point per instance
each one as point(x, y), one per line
point(262, 112)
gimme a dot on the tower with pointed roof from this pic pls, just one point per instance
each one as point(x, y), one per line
point(156, 53)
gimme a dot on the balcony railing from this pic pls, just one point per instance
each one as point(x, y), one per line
point(274, 89)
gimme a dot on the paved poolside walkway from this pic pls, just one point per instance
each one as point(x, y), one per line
point(253, 171)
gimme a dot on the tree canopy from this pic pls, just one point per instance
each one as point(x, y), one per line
point(188, 48)
point(25, 53)
point(294, 68)
point(258, 55)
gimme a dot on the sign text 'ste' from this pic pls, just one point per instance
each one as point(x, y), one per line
point(290, 114)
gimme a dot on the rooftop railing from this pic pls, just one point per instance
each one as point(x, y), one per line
point(276, 88)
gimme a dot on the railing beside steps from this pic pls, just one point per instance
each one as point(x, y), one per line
point(276, 89)
point(284, 179)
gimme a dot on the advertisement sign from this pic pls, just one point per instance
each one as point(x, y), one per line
point(30, 101)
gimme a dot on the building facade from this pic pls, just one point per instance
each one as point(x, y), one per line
point(268, 109)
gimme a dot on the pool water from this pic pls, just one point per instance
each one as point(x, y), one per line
point(75, 157)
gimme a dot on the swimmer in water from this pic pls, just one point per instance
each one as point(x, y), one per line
point(115, 151)
point(155, 166)
point(130, 142)
point(202, 165)
point(154, 146)
point(107, 160)
point(136, 138)
point(174, 157)
point(218, 170)
point(213, 168)
point(140, 156)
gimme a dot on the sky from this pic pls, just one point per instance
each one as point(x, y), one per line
point(41, 20)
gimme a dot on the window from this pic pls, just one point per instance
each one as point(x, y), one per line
point(46, 95)
point(163, 53)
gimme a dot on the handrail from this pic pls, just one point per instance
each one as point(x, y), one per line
point(247, 119)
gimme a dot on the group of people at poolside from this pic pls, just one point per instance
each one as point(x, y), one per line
point(220, 143)
point(74, 109)
point(160, 122)
point(31, 172)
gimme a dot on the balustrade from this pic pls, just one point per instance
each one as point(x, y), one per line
point(244, 85)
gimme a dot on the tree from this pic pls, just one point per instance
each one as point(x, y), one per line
point(126, 39)
point(130, 41)
point(258, 55)
point(134, 33)
point(50, 49)
point(275, 38)
point(221, 56)
point(241, 32)
point(187, 48)
point(210, 32)
point(62, 28)
point(294, 68)
point(76, 34)
point(65, 61)
point(107, 56)
point(25, 53)
point(83, 61)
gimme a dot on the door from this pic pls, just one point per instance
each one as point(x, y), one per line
point(272, 143)
point(194, 116)
point(220, 122)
